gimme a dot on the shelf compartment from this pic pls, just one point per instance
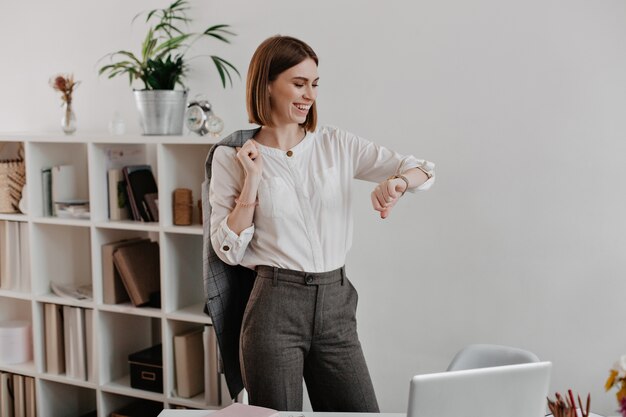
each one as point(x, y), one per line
point(46, 155)
point(183, 167)
point(129, 225)
point(175, 328)
point(193, 313)
point(62, 379)
point(26, 368)
point(62, 399)
point(13, 217)
point(182, 284)
point(62, 254)
point(122, 386)
point(113, 401)
point(105, 156)
point(103, 236)
point(194, 229)
point(121, 335)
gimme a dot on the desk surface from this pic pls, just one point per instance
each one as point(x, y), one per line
point(204, 413)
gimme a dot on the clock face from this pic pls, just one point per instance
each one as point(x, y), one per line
point(215, 125)
point(195, 117)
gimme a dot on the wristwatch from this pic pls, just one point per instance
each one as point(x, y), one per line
point(403, 178)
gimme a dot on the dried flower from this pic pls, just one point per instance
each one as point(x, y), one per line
point(65, 84)
point(617, 379)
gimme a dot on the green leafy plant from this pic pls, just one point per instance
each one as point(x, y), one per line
point(161, 65)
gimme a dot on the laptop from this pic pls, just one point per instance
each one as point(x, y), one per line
point(501, 391)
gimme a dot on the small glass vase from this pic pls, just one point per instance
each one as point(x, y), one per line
point(68, 121)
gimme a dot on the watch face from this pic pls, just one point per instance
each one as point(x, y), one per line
point(194, 118)
point(215, 125)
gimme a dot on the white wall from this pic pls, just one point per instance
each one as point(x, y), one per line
point(522, 106)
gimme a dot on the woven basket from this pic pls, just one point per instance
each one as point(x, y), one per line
point(12, 180)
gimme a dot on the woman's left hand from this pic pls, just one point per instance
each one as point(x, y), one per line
point(386, 195)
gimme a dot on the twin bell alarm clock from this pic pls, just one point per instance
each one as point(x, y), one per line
point(200, 119)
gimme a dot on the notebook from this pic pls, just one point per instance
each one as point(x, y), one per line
point(511, 390)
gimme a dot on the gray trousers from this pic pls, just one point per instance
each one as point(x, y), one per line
point(299, 324)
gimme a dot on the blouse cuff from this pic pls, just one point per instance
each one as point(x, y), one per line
point(425, 166)
point(230, 247)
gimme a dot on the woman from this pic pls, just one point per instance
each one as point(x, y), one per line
point(279, 204)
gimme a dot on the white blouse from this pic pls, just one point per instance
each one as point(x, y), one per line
point(304, 217)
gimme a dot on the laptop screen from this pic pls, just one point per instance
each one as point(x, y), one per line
point(502, 391)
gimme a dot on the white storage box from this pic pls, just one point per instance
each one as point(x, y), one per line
point(15, 342)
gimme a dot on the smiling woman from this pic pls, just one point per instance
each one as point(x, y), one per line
point(277, 201)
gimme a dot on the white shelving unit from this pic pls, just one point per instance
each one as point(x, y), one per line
point(69, 251)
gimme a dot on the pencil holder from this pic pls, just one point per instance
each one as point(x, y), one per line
point(183, 207)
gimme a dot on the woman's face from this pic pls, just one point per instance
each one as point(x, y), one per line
point(293, 92)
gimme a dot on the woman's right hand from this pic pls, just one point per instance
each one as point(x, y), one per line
point(250, 159)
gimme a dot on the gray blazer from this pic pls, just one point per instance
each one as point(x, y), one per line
point(226, 287)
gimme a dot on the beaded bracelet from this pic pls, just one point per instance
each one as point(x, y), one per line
point(239, 203)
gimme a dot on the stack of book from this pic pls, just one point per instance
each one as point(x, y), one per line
point(17, 395)
point(69, 341)
point(131, 271)
point(14, 256)
point(133, 194)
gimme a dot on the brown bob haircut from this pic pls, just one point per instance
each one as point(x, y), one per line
point(271, 58)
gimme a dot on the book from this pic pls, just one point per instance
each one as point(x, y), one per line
point(10, 256)
point(29, 394)
point(242, 410)
point(139, 269)
point(80, 345)
point(139, 181)
point(6, 395)
point(46, 188)
point(212, 380)
point(19, 399)
point(3, 260)
point(118, 198)
point(152, 204)
point(54, 340)
point(74, 336)
point(24, 278)
point(113, 290)
point(69, 336)
point(189, 363)
point(89, 355)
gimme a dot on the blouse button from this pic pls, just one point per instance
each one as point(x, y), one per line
point(289, 153)
point(225, 248)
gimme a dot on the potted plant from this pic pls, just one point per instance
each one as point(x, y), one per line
point(161, 67)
